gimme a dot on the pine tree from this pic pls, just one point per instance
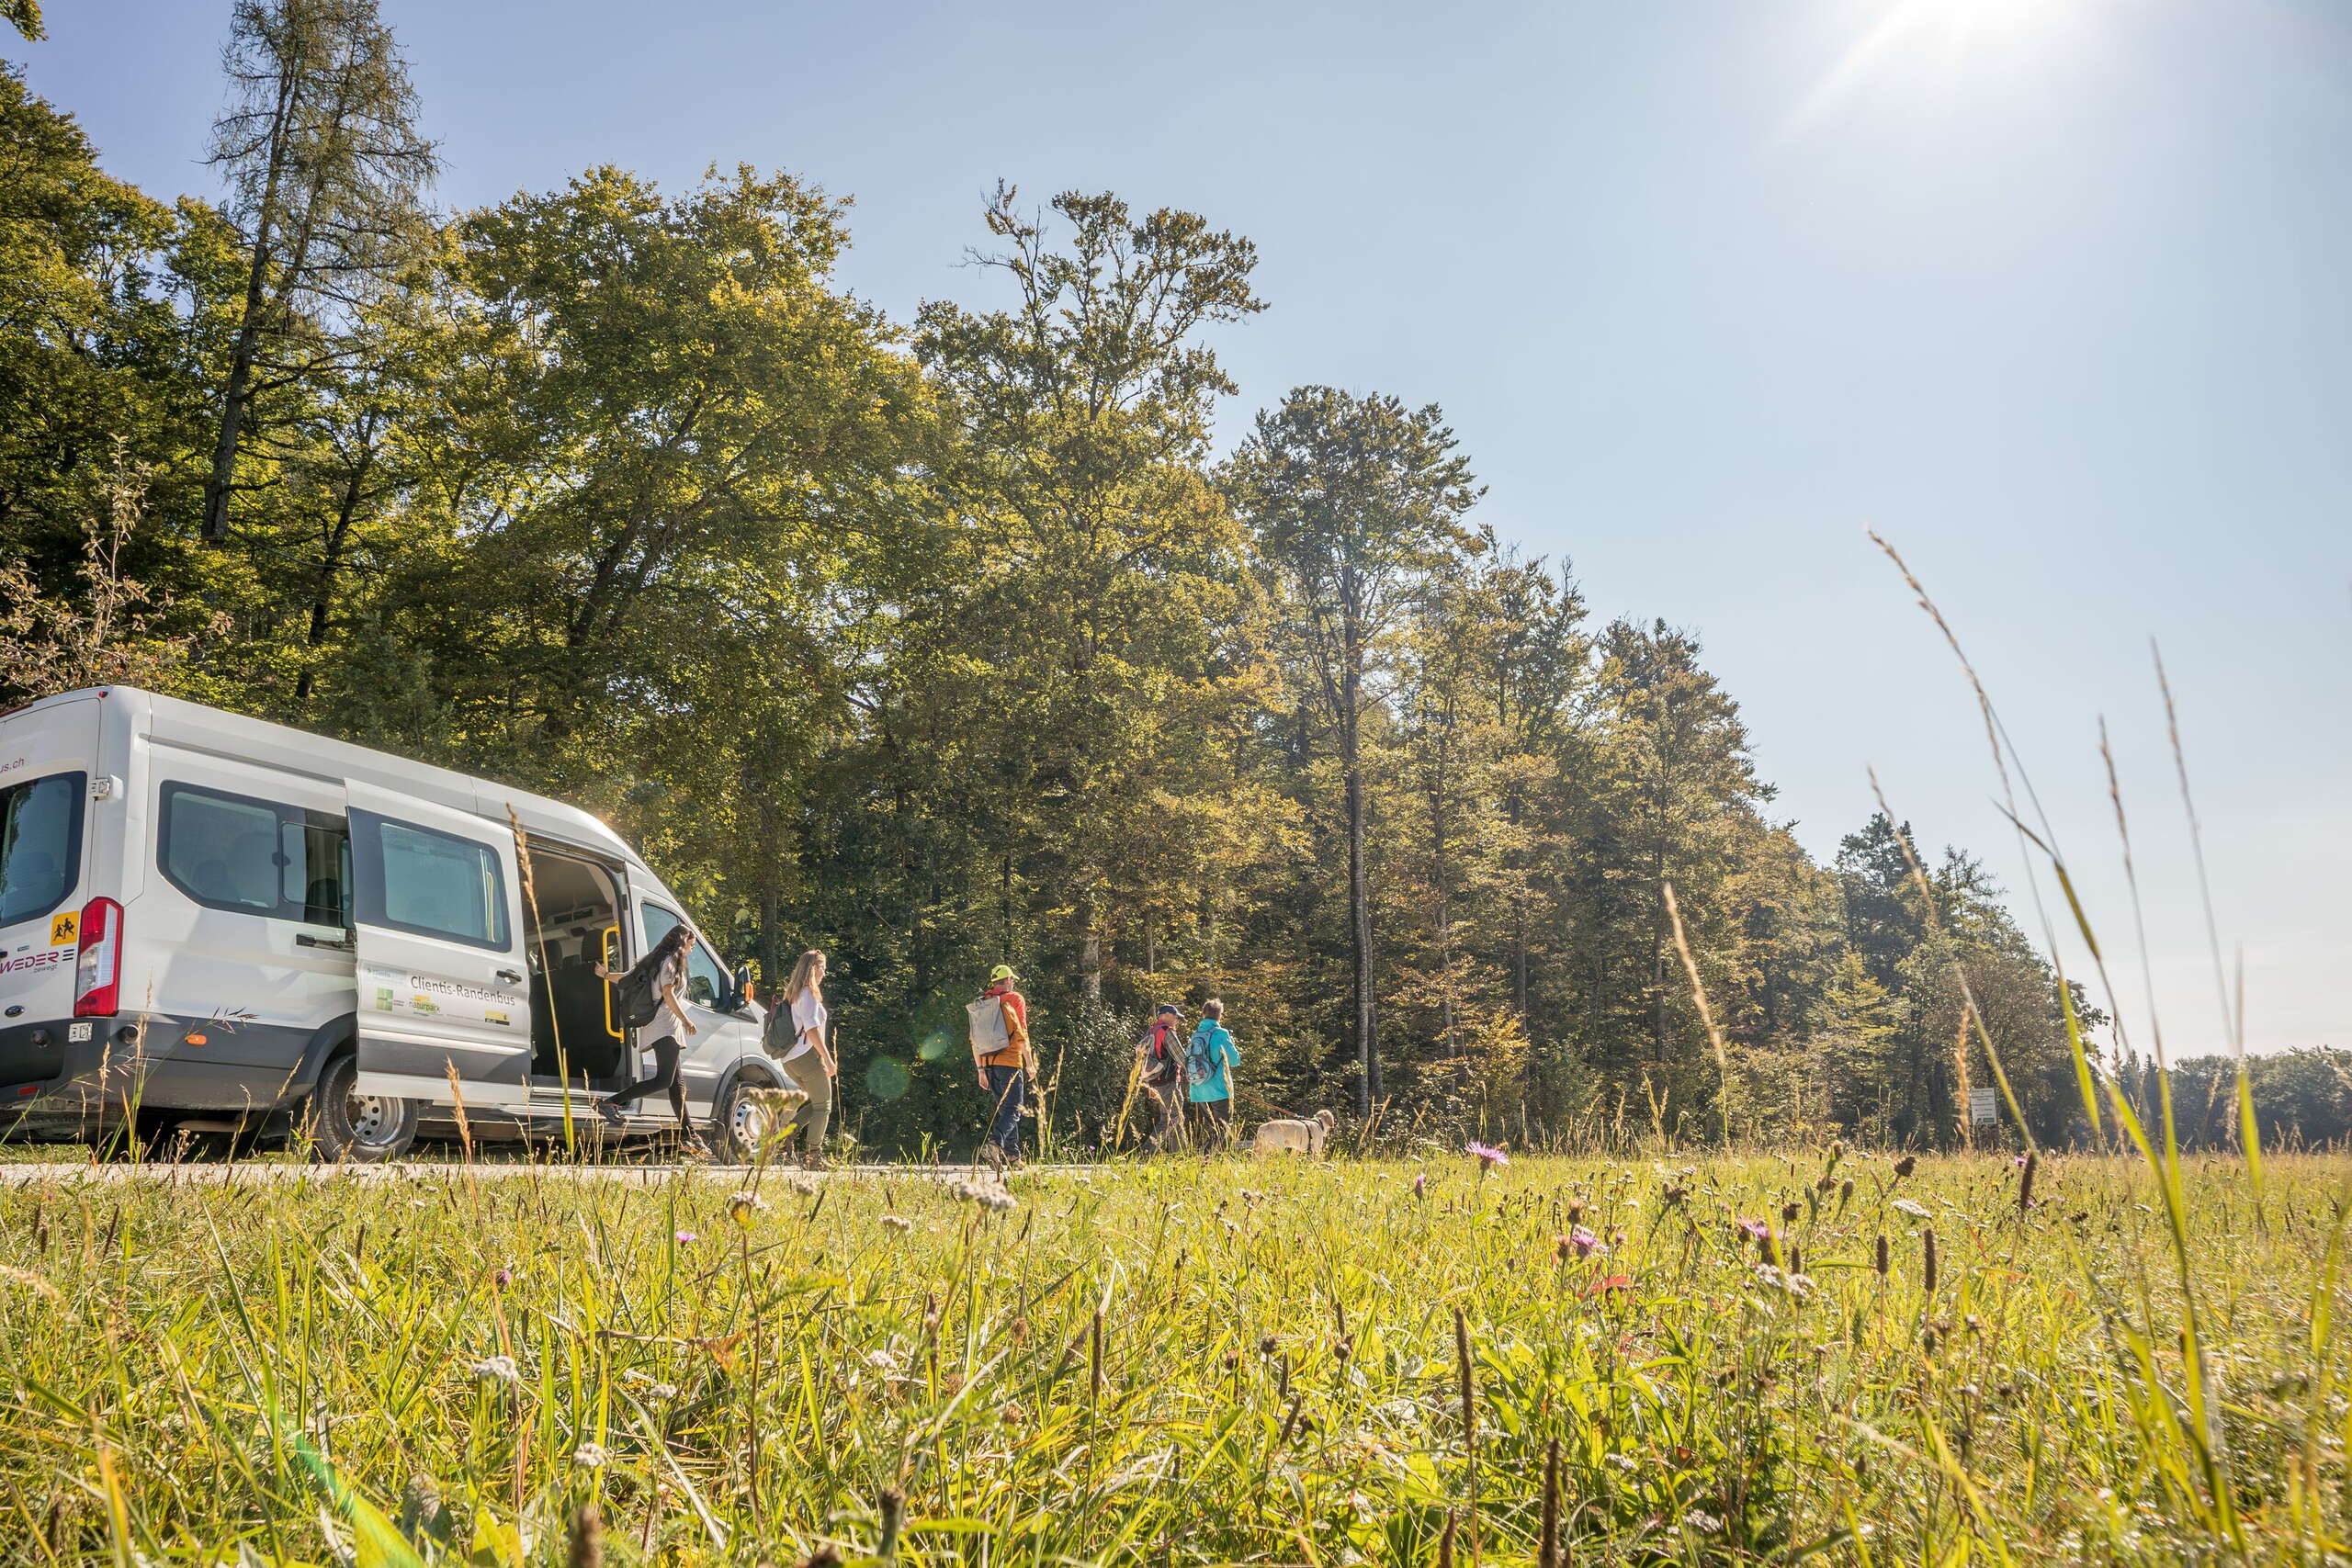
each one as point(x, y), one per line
point(326, 176)
point(1356, 503)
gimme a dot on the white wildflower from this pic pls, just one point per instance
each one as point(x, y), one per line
point(741, 1205)
point(898, 1222)
point(987, 1195)
point(1916, 1211)
point(663, 1391)
point(1703, 1521)
point(590, 1456)
point(497, 1369)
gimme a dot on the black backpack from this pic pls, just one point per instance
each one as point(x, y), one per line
point(638, 997)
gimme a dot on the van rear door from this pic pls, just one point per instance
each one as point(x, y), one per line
point(442, 986)
point(49, 754)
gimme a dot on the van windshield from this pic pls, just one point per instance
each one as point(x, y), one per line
point(41, 845)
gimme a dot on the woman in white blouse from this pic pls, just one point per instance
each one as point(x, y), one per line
point(810, 1057)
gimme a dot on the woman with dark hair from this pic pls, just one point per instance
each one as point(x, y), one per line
point(665, 964)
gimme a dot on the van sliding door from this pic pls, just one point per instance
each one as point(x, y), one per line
point(443, 984)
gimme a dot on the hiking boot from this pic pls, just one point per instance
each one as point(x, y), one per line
point(994, 1155)
point(613, 1115)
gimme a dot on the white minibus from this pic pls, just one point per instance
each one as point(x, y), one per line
point(216, 924)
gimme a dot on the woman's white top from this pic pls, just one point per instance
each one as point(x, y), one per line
point(808, 1013)
point(670, 985)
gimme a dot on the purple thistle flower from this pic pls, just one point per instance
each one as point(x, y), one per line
point(1488, 1155)
point(1421, 1185)
point(687, 1239)
point(1585, 1242)
point(1753, 1230)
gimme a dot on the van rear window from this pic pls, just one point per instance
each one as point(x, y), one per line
point(40, 844)
point(259, 857)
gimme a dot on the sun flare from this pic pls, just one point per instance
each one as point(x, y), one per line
point(1947, 33)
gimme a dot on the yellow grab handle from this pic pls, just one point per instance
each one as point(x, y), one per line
point(611, 957)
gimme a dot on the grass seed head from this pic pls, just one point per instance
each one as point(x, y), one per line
point(587, 1549)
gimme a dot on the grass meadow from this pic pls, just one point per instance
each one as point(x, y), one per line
point(1677, 1359)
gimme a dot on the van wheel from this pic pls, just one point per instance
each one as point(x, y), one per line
point(750, 1118)
point(351, 1128)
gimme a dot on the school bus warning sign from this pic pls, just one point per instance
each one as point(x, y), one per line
point(65, 927)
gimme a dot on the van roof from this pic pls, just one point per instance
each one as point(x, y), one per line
point(176, 721)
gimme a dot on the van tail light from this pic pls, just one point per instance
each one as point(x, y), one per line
point(97, 977)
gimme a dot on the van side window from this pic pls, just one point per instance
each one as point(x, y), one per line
point(317, 874)
point(706, 979)
point(255, 857)
point(433, 883)
point(40, 844)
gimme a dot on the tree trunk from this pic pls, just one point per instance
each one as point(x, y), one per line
point(220, 480)
point(1359, 902)
point(1518, 925)
point(331, 566)
point(772, 976)
point(1443, 874)
point(1090, 954)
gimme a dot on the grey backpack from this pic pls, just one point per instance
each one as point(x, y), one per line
point(987, 1015)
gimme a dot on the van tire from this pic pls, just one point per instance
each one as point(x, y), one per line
point(349, 1128)
point(741, 1130)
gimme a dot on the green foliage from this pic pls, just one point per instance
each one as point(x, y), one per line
point(2302, 1099)
point(945, 643)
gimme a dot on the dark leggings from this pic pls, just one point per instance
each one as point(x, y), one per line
point(667, 1053)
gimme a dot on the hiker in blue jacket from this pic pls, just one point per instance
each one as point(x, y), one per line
point(1208, 1062)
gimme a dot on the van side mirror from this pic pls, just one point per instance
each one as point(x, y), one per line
point(739, 990)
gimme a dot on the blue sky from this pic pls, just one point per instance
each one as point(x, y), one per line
point(2048, 292)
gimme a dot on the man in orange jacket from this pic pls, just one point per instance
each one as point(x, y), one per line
point(1004, 1073)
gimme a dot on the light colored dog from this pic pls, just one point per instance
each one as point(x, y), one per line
point(1289, 1136)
